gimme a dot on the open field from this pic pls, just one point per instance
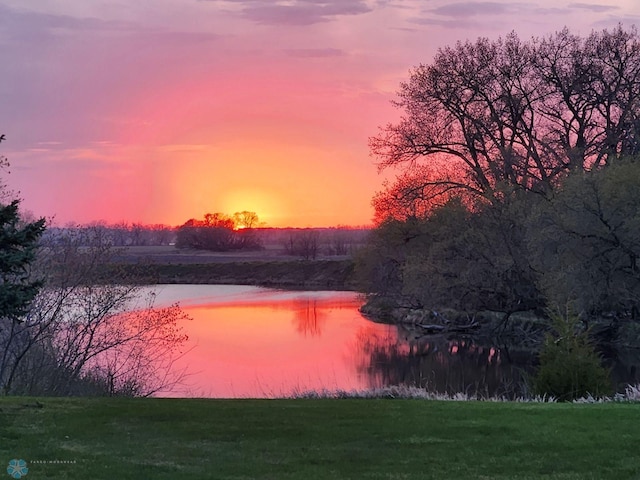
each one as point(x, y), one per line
point(167, 254)
point(268, 267)
point(318, 439)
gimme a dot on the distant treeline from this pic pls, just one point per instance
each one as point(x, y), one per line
point(307, 243)
point(241, 231)
point(117, 235)
point(310, 243)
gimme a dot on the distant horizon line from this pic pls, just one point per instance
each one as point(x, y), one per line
point(150, 226)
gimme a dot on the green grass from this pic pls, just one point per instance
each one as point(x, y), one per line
point(318, 439)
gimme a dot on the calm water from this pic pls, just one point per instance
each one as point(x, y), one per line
point(255, 342)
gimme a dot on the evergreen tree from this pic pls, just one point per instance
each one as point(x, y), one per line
point(18, 243)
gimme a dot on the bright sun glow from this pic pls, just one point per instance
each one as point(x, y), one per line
point(265, 205)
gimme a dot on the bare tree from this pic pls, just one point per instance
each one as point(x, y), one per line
point(591, 88)
point(245, 219)
point(489, 117)
point(84, 336)
point(340, 242)
point(120, 234)
point(309, 244)
point(304, 243)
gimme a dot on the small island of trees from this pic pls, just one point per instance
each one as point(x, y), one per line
point(219, 232)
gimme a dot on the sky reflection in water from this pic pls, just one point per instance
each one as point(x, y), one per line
point(251, 342)
point(248, 342)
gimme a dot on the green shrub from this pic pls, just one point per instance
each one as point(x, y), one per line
point(570, 367)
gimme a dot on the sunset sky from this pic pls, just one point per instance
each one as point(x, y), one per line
point(157, 111)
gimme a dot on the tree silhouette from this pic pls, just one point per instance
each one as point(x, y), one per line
point(18, 245)
point(488, 117)
point(219, 232)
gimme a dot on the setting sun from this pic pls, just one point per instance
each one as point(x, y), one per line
point(266, 205)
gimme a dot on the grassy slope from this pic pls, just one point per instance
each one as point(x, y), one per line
point(311, 274)
point(308, 439)
point(269, 267)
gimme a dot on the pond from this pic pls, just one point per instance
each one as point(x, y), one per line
point(250, 342)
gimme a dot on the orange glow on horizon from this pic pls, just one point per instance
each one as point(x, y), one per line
point(267, 206)
point(272, 182)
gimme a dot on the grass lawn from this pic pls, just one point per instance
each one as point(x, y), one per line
point(318, 439)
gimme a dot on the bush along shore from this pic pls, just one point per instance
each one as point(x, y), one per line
point(565, 356)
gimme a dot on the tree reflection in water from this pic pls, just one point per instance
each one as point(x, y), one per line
point(441, 364)
point(309, 317)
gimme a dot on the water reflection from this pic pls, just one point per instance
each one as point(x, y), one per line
point(251, 342)
point(441, 364)
point(270, 343)
point(309, 317)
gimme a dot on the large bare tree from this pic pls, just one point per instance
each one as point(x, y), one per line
point(487, 117)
